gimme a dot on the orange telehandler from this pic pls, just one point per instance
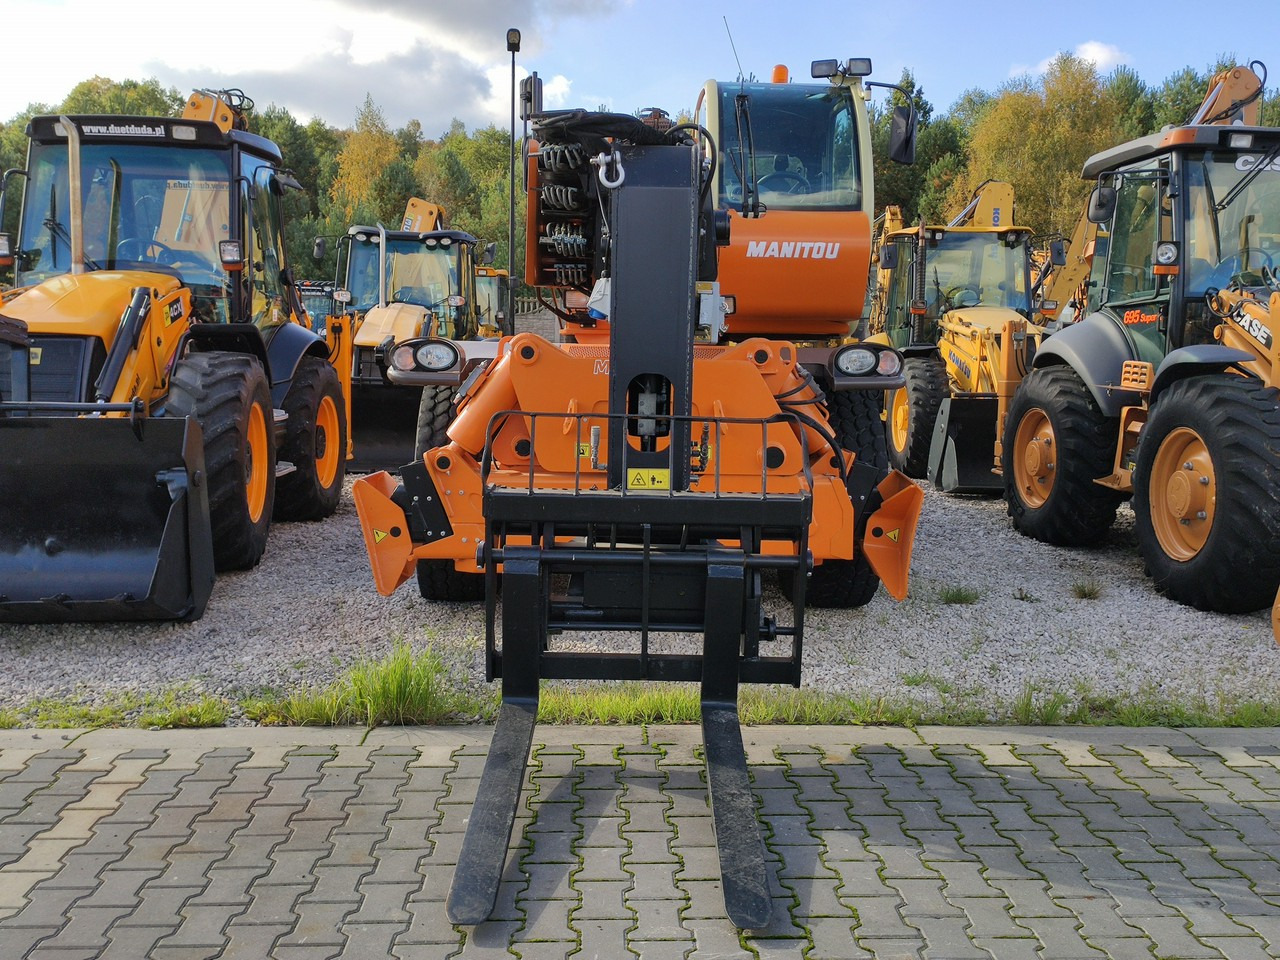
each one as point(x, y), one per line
point(646, 477)
point(160, 400)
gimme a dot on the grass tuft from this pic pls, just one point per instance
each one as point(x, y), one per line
point(1088, 589)
point(960, 595)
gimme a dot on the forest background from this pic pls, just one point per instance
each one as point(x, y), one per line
point(1034, 132)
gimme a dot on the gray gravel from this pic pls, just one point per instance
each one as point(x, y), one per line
point(310, 609)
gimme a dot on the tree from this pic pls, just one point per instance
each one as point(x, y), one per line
point(370, 149)
point(1036, 136)
point(146, 98)
point(1133, 102)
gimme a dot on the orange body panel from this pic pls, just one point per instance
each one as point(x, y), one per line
point(796, 273)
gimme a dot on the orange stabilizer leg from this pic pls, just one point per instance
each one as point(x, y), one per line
point(386, 531)
point(891, 532)
point(1275, 617)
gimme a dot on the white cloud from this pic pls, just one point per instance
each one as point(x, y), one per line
point(1105, 56)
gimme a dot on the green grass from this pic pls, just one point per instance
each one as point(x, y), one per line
point(960, 595)
point(9, 719)
point(1088, 589)
point(170, 713)
point(403, 687)
point(177, 707)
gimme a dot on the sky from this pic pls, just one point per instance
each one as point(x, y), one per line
point(434, 60)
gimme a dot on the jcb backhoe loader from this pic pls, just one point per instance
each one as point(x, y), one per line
point(169, 404)
point(956, 300)
point(419, 280)
point(1170, 390)
point(643, 484)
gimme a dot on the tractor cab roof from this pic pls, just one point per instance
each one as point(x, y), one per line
point(166, 130)
point(1204, 136)
point(453, 236)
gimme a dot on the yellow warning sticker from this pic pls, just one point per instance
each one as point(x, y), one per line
point(584, 450)
point(894, 534)
point(34, 359)
point(652, 479)
point(379, 536)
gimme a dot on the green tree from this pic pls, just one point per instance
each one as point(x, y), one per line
point(1134, 103)
point(146, 98)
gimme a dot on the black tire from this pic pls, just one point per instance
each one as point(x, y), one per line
point(1080, 448)
point(438, 579)
point(925, 389)
point(226, 393)
point(1228, 428)
point(315, 443)
point(855, 417)
point(435, 413)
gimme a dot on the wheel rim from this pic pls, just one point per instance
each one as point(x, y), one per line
point(256, 464)
point(326, 442)
point(899, 419)
point(1035, 458)
point(1183, 491)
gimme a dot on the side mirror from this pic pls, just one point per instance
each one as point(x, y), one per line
point(889, 256)
point(1057, 253)
point(319, 249)
point(488, 254)
point(902, 135)
point(1102, 204)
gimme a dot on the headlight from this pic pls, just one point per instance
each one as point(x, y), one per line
point(855, 361)
point(402, 358)
point(889, 364)
point(436, 355)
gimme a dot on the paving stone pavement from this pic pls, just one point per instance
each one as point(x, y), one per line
point(939, 843)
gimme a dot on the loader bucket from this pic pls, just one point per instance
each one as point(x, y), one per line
point(963, 449)
point(102, 519)
point(384, 426)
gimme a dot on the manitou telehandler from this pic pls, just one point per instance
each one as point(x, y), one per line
point(1169, 391)
point(162, 383)
point(645, 483)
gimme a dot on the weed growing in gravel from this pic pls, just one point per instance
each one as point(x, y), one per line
point(1028, 709)
point(1025, 596)
point(170, 713)
point(404, 687)
point(1088, 589)
point(960, 595)
point(9, 719)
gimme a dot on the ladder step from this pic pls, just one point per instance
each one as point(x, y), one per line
point(284, 468)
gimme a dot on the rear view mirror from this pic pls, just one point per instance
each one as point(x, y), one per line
point(902, 135)
point(319, 249)
point(1102, 204)
point(1057, 253)
point(889, 256)
point(489, 253)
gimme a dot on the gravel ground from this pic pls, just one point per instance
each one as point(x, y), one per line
point(310, 609)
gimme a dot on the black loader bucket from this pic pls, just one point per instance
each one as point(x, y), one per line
point(384, 426)
point(962, 452)
point(103, 519)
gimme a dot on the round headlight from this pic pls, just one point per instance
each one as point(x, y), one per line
point(436, 355)
point(855, 361)
point(402, 357)
point(1166, 254)
point(889, 364)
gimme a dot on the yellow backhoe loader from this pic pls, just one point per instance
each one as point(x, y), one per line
point(957, 301)
point(419, 280)
point(160, 401)
point(1168, 390)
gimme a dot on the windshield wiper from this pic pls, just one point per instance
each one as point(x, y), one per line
point(60, 232)
point(1248, 178)
point(747, 151)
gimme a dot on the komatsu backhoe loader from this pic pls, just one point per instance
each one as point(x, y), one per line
point(418, 280)
point(643, 484)
point(1169, 391)
point(956, 299)
point(170, 403)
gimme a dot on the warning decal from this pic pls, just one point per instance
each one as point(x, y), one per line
point(894, 535)
point(652, 479)
point(379, 536)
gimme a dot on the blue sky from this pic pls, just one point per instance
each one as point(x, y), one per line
point(432, 60)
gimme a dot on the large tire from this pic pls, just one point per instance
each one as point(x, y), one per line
point(912, 413)
point(435, 413)
point(855, 417)
point(1056, 443)
point(1205, 493)
point(228, 394)
point(438, 579)
point(315, 443)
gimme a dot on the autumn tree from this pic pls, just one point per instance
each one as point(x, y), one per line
point(365, 157)
point(1036, 135)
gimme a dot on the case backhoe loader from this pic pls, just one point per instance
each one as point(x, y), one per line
point(642, 484)
point(1168, 390)
point(170, 403)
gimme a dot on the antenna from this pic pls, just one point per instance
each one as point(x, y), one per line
point(741, 76)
